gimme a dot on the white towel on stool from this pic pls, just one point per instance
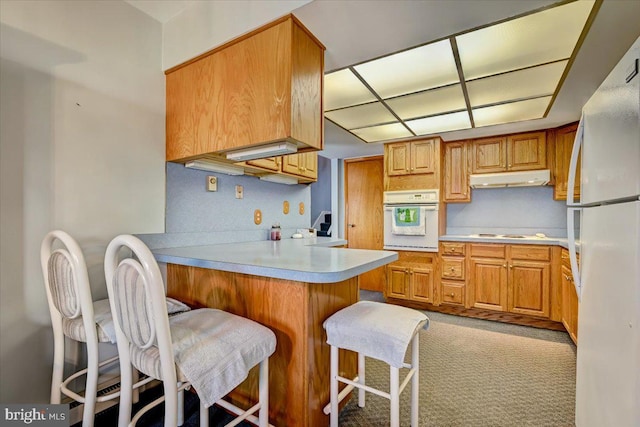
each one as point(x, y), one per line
point(378, 330)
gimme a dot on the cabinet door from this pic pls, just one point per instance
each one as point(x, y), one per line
point(456, 173)
point(421, 284)
point(397, 281)
point(488, 284)
point(310, 165)
point(270, 163)
point(423, 156)
point(563, 146)
point(527, 151)
point(398, 159)
point(303, 164)
point(569, 304)
point(529, 287)
point(453, 268)
point(452, 292)
point(488, 155)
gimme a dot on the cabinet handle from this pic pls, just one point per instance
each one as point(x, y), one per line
point(453, 269)
point(509, 166)
point(504, 265)
point(510, 266)
point(452, 295)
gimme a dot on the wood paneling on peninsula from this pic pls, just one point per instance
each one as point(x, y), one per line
point(294, 311)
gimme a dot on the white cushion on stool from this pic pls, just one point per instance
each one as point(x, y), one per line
point(377, 330)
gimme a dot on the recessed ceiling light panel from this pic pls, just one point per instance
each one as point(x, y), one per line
point(527, 83)
point(511, 112)
point(442, 123)
point(421, 68)
point(361, 115)
point(428, 103)
point(342, 89)
point(534, 39)
point(383, 132)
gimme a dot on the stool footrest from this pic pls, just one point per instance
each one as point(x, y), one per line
point(345, 391)
point(365, 387)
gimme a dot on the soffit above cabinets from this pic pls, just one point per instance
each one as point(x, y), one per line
point(506, 72)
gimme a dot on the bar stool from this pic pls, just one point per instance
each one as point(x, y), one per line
point(383, 332)
point(209, 349)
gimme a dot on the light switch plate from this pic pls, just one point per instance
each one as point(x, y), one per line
point(212, 183)
point(239, 192)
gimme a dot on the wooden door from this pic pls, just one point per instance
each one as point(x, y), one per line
point(398, 280)
point(488, 155)
point(456, 173)
point(421, 284)
point(488, 284)
point(364, 180)
point(563, 146)
point(398, 159)
point(423, 158)
point(529, 288)
point(527, 151)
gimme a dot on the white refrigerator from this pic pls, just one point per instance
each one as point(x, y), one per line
point(608, 277)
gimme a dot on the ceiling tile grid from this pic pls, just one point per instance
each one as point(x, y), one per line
point(506, 72)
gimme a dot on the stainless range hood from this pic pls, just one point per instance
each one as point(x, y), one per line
point(510, 179)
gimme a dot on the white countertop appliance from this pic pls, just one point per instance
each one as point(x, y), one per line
point(411, 220)
point(608, 280)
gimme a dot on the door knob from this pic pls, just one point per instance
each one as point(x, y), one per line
point(351, 225)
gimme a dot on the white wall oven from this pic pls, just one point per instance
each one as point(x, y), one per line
point(411, 220)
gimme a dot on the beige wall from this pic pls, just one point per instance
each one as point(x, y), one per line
point(82, 149)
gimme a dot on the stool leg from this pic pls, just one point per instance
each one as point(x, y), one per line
point(333, 380)
point(204, 415)
point(394, 391)
point(263, 413)
point(180, 405)
point(415, 381)
point(361, 380)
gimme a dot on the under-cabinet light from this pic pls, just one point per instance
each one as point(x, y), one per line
point(213, 166)
point(280, 179)
point(269, 150)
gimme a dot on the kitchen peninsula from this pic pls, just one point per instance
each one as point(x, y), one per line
point(290, 286)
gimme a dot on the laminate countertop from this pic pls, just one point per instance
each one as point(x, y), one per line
point(314, 260)
point(506, 239)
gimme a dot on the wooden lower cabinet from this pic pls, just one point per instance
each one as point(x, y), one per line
point(569, 299)
point(411, 277)
point(511, 278)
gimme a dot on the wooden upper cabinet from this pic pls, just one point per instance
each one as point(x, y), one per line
point(414, 157)
point(303, 164)
point(456, 173)
point(563, 145)
point(527, 151)
point(263, 87)
point(489, 155)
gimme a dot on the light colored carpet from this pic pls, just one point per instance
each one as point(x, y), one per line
point(480, 373)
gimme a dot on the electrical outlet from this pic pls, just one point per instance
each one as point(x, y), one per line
point(239, 192)
point(212, 183)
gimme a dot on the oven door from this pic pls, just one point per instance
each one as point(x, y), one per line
point(412, 242)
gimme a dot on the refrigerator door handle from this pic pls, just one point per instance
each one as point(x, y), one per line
point(573, 164)
point(573, 255)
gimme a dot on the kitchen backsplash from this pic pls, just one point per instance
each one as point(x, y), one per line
point(524, 210)
point(220, 217)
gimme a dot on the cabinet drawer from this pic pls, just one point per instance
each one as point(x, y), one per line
point(523, 252)
point(452, 293)
point(453, 248)
point(453, 268)
point(488, 250)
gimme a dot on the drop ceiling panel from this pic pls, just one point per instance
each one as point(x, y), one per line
point(511, 112)
point(442, 123)
point(538, 38)
point(527, 83)
point(428, 103)
point(342, 89)
point(361, 115)
point(382, 132)
point(412, 70)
